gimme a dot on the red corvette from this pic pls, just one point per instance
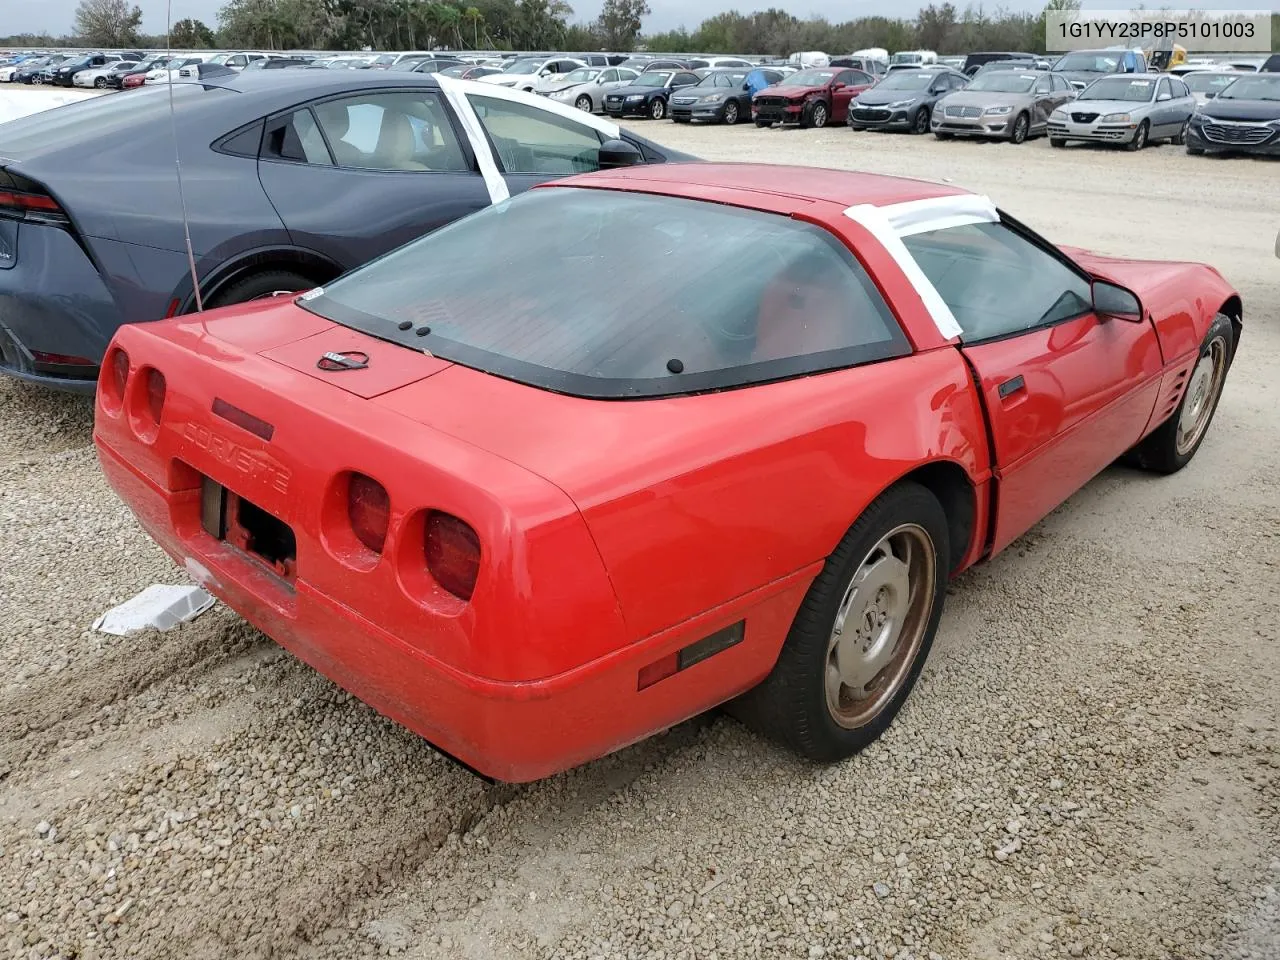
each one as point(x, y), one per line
point(722, 435)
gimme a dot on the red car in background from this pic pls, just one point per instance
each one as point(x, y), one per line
point(811, 98)
point(536, 507)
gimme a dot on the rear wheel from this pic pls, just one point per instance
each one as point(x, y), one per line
point(583, 103)
point(731, 112)
point(1139, 137)
point(1171, 445)
point(658, 109)
point(1020, 128)
point(861, 635)
point(259, 286)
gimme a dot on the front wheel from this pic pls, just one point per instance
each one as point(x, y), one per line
point(99, 82)
point(814, 114)
point(1171, 445)
point(731, 113)
point(920, 122)
point(658, 109)
point(941, 135)
point(1139, 137)
point(862, 633)
point(584, 104)
point(1195, 151)
point(764, 123)
point(1020, 128)
point(1180, 137)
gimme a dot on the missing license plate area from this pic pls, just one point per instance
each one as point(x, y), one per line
point(229, 517)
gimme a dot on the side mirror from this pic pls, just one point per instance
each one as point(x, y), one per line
point(619, 153)
point(1110, 300)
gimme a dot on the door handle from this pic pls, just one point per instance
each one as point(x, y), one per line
point(1010, 387)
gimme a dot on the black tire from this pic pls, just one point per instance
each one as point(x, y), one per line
point(920, 122)
point(764, 123)
point(1181, 137)
point(815, 114)
point(99, 82)
point(1139, 138)
point(1021, 127)
point(942, 135)
point(732, 113)
point(791, 705)
point(658, 109)
point(1195, 151)
point(1166, 449)
point(256, 286)
point(584, 104)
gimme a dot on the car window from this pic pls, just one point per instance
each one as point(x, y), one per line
point(684, 79)
point(529, 139)
point(296, 137)
point(996, 282)
point(1163, 90)
point(391, 131)
point(859, 77)
point(608, 76)
point(579, 312)
point(1179, 88)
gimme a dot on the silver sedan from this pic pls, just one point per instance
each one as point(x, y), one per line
point(1010, 104)
point(1129, 110)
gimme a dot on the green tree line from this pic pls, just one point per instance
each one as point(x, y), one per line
point(546, 25)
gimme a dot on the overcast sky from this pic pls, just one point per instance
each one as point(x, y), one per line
point(55, 16)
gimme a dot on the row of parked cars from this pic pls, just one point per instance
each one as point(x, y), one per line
point(1117, 100)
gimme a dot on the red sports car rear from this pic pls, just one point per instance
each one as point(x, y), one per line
point(535, 508)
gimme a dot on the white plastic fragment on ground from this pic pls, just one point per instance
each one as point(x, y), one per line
point(159, 607)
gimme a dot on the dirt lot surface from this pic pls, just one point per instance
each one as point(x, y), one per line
point(1088, 768)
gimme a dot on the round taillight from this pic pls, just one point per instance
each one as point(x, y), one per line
point(453, 553)
point(369, 510)
point(155, 394)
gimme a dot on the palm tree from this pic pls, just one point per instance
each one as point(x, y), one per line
point(473, 16)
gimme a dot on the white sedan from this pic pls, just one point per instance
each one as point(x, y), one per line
point(523, 73)
point(589, 95)
point(97, 77)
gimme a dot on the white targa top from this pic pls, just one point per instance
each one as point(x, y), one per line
point(890, 223)
point(14, 106)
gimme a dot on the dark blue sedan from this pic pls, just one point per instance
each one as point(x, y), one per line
point(290, 179)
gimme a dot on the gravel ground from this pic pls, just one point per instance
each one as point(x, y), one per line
point(1088, 767)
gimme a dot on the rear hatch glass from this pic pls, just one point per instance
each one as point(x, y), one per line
point(611, 294)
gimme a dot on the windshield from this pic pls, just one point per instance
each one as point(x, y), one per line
point(906, 80)
point(1003, 81)
point(580, 315)
point(220, 58)
point(724, 80)
point(1088, 63)
point(1208, 82)
point(808, 78)
point(1119, 88)
point(1256, 87)
point(581, 75)
point(652, 79)
point(522, 66)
